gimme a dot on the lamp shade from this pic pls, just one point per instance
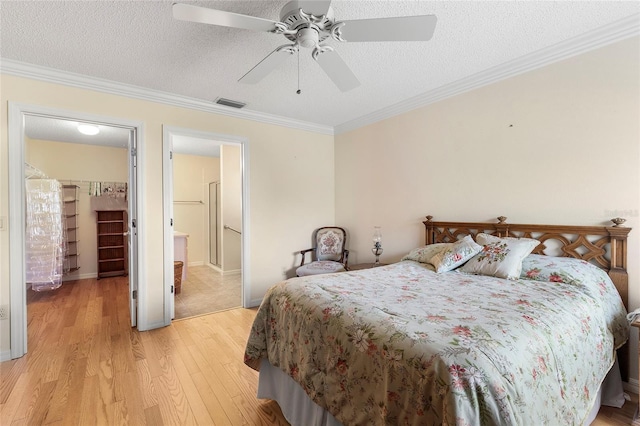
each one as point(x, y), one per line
point(377, 234)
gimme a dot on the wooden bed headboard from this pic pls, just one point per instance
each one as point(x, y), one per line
point(604, 246)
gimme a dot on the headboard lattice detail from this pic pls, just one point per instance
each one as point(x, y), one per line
point(604, 246)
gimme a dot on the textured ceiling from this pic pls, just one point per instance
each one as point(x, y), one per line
point(45, 128)
point(140, 43)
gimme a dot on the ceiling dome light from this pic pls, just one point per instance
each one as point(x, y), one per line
point(88, 129)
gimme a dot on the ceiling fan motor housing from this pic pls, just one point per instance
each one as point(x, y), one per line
point(309, 30)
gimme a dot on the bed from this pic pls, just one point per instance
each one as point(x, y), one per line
point(424, 341)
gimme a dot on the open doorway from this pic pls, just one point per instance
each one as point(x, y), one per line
point(37, 137)
point(204, 189)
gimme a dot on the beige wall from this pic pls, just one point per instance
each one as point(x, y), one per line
point(284, 207)
point(191, 177)
point(558, 145)
point(231, 206)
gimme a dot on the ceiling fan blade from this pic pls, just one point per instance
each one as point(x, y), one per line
point(405, 28)
point(337, 70)
point(186, 12)
point(268, 64)
point(315, 7)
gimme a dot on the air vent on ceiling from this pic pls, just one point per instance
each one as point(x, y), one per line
point(230, 103)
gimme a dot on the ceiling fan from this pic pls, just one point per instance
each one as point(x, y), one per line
point(308, 24)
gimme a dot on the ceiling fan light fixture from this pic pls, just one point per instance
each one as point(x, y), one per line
point(88, 129)
point(307, 37)
point(230, 103)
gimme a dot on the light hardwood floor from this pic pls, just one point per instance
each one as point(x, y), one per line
point(87, 366)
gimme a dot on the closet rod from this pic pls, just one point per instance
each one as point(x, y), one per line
point(189, 202)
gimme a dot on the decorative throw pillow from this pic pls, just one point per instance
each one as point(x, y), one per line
point(455, 255)
point(425, 253)
point(500, 257)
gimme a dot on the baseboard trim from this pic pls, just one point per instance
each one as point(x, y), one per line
point(5, 356)
point(197, 263)
point(254, 303)
point(153, 325)
point(631, 385)
point(81, 277)
point(214, 267)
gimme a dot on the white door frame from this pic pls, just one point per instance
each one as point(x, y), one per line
point(167, 190)
point(16, 142)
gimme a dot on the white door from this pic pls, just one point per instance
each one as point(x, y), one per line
point(172, 295)
point(133, 230)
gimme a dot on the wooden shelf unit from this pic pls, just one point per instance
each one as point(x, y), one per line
point(112, 226)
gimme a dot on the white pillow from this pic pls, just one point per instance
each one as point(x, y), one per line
point(500, 257)
point(455, 255)
point(425, 253)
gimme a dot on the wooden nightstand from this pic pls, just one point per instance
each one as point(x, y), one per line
point(636, 323)
point(359, 266)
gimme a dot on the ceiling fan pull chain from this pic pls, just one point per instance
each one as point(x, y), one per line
point(298, 91)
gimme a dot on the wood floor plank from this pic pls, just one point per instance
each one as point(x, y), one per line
point(210, 400)
point(64, 383)
point(118, 414)
point(152, 356)
point(133, 398)
point(92, 411)
point(145, 381)
point(224, 399)
point(10, 371)
point(197, 405)
point(153, 416)
point(10, 407)
point(41, 404)
point(172, 401)
point(36, 393)
point(87, 366)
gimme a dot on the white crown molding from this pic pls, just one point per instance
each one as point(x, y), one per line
point(616, 31)
point(51, 75)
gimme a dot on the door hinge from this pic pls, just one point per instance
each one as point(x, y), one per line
point(134, 152)
point(171, 289)
point(170, 155)
point(171, 222)
point(134, 294)
point(133, 223)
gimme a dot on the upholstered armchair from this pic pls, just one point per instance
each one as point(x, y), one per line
point(329, 254)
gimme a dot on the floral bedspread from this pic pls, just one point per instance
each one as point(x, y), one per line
point(401, 344)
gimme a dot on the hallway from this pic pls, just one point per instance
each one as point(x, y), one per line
point(205, 291)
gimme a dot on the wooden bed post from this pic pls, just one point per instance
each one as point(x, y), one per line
point(618, 269)
point(502, 227)
point(618, 274)
point(428, 224)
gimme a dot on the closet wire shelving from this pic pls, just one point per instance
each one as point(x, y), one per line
point(70, 194)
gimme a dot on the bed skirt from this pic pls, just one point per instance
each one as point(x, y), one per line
point(300, 410)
